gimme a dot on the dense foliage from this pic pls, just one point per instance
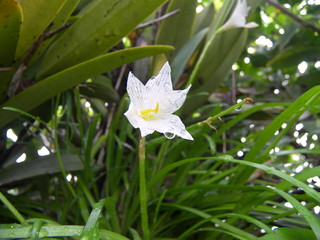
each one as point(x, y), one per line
point(69, 157)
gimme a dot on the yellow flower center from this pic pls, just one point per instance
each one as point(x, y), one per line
point(148, 114)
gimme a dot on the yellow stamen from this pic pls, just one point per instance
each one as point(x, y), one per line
point(148, 114)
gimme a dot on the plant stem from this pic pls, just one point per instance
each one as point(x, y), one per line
point(55, 125)
point(219, 21)
point(143, 190)
point(234, 107)
point(12, 209)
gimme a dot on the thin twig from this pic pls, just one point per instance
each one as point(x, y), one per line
point(234, 87)
point(32, 50)
point(57, 30)
point(5, 69)
point(294, 16)
point(150, 23)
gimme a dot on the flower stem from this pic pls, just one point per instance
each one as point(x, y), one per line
point(143, 190)
point(234, 107)
point(12, 209)
point(211, 35)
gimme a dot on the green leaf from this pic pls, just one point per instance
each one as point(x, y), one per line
point(104, 92)
point(37, 167)
point(310, 218)
point(97, 31)
point(294, 110)
point(49, 87)
point(10, 23)
point(177, 30)
point(181, 59)
point(135, 234)
point(13, 231)
point(293, 56)
point(61, 18)
point(218, 57)
point(111, 206)
point(232, 229)
point(37, 15)
point(310, 191)
point(89, 231)
point(204, 18)
point(290, 234)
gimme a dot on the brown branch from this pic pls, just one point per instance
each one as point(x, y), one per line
point(147, 24)
point(5, 69)
point(57, 30)
point(293, 16)
point(32, 50)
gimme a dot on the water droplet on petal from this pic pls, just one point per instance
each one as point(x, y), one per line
point(169, 135)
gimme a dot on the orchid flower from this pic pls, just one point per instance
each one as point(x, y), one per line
point(152, 105)
point(238, 18)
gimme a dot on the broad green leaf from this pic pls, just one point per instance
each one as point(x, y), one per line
point(293, 56)
point(177, 29)
point(37, 15)
point(97, 31)
point(37, 167)
point(49, 87)
point(224, 50)
point(204, 18)
point(52, 230)
point(59, 21)
point(289, 234)
point(10, 23)
point(216, 62)
point(185, 53)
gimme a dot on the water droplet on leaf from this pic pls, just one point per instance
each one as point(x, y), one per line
point(238, 109)
point(169, 135)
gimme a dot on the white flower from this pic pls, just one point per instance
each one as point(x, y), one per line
point(238, 18)
point(152, 105)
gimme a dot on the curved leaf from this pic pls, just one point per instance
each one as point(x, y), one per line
point(177, 30)
point(95, 32)
point(10, 23)
point(37, 15)
point(37, 167)
point(297, 108)
point(49, 87)
point(185, 53)
point(290, 234)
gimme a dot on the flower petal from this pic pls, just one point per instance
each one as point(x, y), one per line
point(251, 25)
point(238, 18)
point(173, 101)
point(161, 82)
point(137, 122)
point(136, 90)
point(242, 8)
point(170, 124)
